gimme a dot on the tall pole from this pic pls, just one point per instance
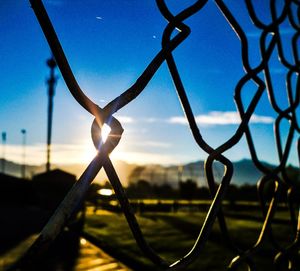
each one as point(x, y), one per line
point(23, 168)
point(3, 152)
point(51, 84)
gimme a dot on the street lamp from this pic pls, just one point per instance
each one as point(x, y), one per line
point(23, 168)
point(51, 84)
point(3, 151)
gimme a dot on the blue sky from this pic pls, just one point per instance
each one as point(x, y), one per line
point(108, 45)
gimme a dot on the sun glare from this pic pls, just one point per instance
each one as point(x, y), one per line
point(83, 241)
point(105, 192)
point(105, 132)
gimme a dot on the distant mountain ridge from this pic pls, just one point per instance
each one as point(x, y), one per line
point(245, 172)
point(15, 169)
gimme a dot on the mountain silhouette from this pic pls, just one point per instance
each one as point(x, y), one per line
point(245, 172)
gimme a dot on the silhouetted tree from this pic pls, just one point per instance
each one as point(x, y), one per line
point(247, 192)
point(232, 195)
point(188, 189)
point(140, 189)
point(164, 191)
point(92, 193)
point(135, 174)
point(293, 175)
point(203, 193)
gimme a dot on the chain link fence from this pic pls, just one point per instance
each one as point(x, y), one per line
point(270, 42)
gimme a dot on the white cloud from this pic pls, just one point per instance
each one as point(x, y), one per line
point(178, 120)
point(146, 157)
point(125, 119)
point(220, 118)
point(261, 119)
point(152, 120)
point(156, 144)
point(60, 153)
point(128, 119)
point(35, 154)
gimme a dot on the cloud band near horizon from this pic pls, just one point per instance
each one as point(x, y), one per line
point(221, 118)
point(212, 118)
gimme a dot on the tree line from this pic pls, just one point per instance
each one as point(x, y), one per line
point(189, 190)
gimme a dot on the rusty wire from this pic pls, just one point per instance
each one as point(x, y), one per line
point(277, 176)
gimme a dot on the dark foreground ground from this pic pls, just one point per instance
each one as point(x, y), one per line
point(70, 252)
point(171, 234)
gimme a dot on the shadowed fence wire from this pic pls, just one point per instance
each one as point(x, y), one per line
point(174, 34)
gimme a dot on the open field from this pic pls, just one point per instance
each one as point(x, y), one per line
point(172, 235)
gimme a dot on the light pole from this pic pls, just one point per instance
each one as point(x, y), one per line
point(3, 151)
point(23, 168)
point(51, 84)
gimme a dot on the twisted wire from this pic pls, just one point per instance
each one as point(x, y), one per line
point(277, 176)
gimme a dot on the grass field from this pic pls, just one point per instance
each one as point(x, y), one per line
point(172, 235)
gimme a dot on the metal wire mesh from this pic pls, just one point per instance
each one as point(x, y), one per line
point(270, 41)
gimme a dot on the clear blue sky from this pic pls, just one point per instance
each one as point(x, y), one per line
point(108, 44)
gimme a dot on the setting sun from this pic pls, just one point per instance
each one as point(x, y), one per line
point(105, 132)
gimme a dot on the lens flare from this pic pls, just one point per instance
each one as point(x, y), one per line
point(105, 192)
point(105, 130)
